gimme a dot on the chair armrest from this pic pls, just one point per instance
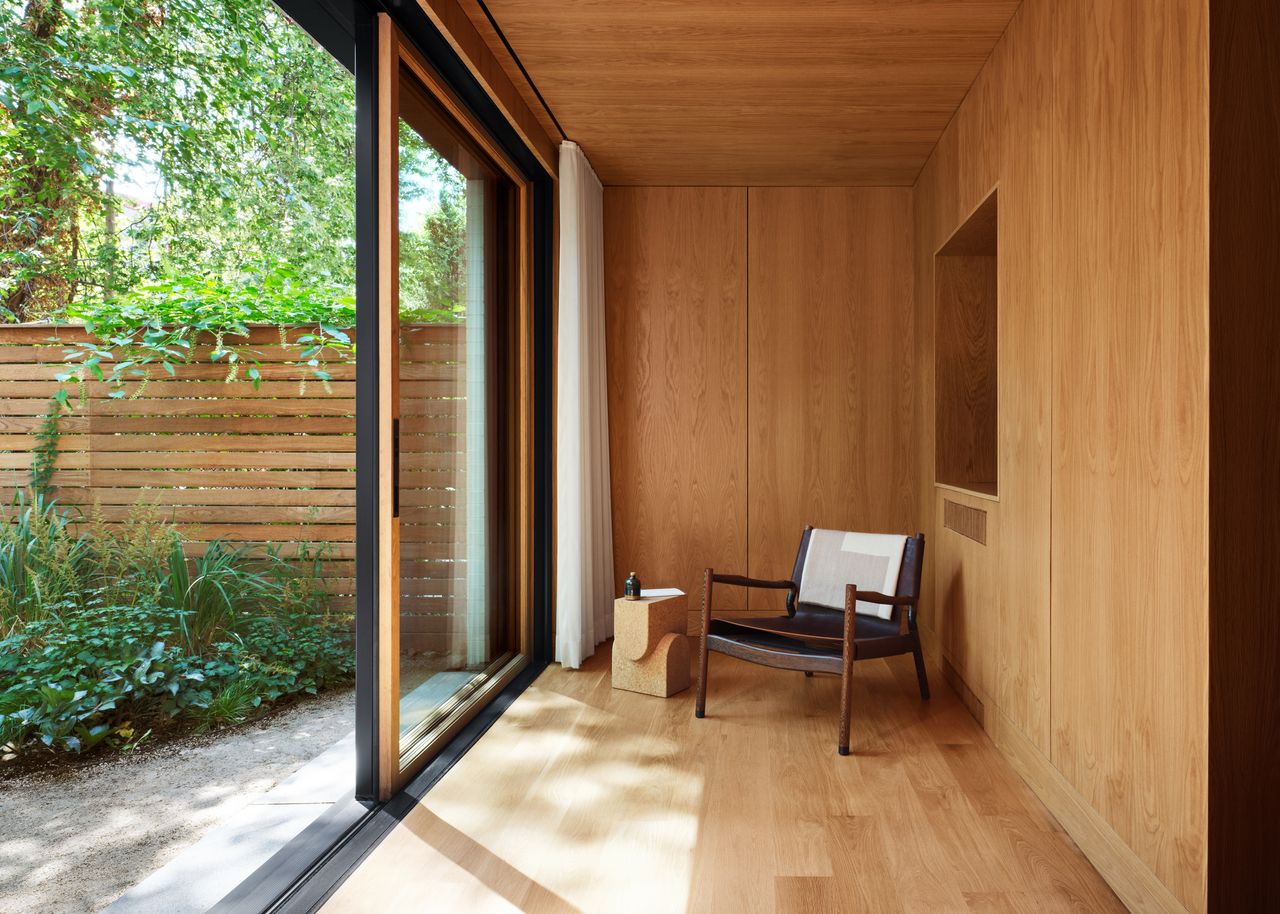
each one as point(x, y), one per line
point(872, 596)
point(710, 579)
point(853, 596)
point(741, 581)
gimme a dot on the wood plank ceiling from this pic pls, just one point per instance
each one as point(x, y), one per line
point(753, 92)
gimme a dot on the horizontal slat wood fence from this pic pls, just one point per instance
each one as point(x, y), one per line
point(272, 466)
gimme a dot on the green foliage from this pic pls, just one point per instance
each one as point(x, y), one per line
point(233, 704)
point(241, 122)
point(432, 253)
point(43, 561)
point(44, 456)
point(216, 592)
point(160, 324)
point(157, 156)
point(113, 631)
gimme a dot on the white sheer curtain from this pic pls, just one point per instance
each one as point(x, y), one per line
point(584, 543)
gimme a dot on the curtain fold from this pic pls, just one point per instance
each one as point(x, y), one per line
point(584, 521)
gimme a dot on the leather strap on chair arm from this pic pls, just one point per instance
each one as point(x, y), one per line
point(740, 581)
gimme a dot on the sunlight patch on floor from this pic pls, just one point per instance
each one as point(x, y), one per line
point(554, 771)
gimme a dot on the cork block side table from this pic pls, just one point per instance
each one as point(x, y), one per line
point(650, 649)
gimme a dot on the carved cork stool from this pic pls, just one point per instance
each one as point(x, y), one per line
point(650, 651)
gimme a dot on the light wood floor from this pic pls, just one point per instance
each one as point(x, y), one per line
point(586, 799)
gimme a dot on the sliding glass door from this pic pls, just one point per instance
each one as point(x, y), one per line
point(454, 398)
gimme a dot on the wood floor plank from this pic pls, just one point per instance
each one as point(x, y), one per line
point(582, 799)
point(862, 873)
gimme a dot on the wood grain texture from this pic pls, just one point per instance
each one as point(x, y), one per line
point(584, 798)
point(966, 372)
point(485, 29)
point(754, 93)
point(675, 288)
point(1092, 120)
point(1244, 455)
point(1130, 878)
point(965, 617)
point(830, 369)
point(487, 63)
point(388, 305)
point(1130, 426)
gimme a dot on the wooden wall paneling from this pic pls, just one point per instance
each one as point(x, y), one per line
point(1020, 684)
point(1129, 543)
point(1244, 486)
point(966, 572)
point(831, 382)
point(936, 214)
point(1095, 137)
point(980, 127)
point(675, 280)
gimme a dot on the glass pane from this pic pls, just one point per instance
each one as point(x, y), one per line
point(448, 636)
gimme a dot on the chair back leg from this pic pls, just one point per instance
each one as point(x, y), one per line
point(920, 673)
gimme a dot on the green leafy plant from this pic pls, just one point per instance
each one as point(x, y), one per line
point(161, 324)
point(234, 703)
point(217, 591)
point(44, 456)
point(111, 633)
point(43, 561)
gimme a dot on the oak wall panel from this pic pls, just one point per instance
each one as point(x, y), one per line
point(1090, 119)
point(1130, 438)
point(830, 378)
point(675, 288)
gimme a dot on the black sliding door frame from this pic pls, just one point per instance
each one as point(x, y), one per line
point(347, 29)
point(304, 872)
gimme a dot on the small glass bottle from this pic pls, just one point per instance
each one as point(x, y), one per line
point(631, 588)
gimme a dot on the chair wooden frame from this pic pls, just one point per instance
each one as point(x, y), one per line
point(815, 639)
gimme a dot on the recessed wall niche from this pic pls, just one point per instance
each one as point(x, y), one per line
point(965, 309)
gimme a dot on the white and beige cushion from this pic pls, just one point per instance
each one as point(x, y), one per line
point(836, 558)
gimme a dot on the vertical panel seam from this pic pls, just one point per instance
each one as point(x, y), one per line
point(746, 386)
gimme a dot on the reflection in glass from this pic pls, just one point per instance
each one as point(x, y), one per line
point(450, 640)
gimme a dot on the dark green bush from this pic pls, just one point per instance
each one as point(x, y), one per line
point(129, 635)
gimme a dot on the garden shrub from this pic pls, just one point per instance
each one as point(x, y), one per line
point(115, 632)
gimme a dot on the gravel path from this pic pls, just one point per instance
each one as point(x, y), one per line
point(73, 840)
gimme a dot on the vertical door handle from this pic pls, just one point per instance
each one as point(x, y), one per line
point(395, 468)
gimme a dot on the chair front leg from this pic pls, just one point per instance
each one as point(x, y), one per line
point(846, 669)
point(700, 706)
point(921, 676)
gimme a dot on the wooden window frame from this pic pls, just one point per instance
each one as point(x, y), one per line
point(395, 56)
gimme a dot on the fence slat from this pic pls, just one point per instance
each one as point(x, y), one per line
point(265, 466)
